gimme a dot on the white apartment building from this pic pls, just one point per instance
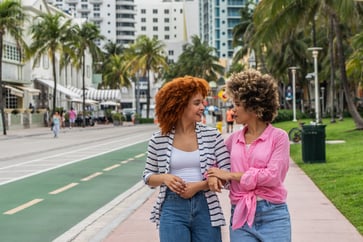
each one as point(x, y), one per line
point(173, 22)
point(115, 18)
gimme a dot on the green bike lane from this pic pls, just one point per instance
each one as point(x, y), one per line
point(44, 206)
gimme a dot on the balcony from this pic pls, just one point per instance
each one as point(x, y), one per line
point(96, 1)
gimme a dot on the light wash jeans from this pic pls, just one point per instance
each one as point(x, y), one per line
point(271, 224)
point(187, 220)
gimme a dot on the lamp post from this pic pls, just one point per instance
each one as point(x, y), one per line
point(315, 51)
point(293, 70)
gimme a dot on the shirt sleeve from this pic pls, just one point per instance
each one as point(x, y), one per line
point(276, 166)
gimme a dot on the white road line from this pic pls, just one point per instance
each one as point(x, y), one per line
point(139, 156)
point(91, 176)
point(125, 161)
point(111, 167)
point(62, 189)
point(24, 206)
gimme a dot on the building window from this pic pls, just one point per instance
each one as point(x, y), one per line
point(167, 37)
point(143, 20)
point(167, 28)
point(11, 101)
point(155, 28)
point(143, 28)
point(45, 62)
point(166, 11)
point(166, 20)
point(11, 52)
point(155, 11)
point(84, 15)
point(96, 7)
point(155, 20)
point(170, 52)
point(143, 11)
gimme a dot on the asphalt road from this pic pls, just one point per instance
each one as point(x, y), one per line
point(48, 185)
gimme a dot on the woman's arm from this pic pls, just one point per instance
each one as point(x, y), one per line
point(224, 175)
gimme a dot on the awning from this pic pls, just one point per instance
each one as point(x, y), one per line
point(80, 100)
point(99, 94)
point(14, 91)
point(104, 94)
point(31, 90)
point(60, 88)
point(110, 103)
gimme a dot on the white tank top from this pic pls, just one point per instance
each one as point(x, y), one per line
point(186, 165)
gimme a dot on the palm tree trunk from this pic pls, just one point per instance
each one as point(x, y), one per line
point(148, 93)
point(55, 83)
point(332, 70)
point(2, 99)
point(83, 91)
point(341, 60)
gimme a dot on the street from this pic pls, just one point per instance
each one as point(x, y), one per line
point(48, 184)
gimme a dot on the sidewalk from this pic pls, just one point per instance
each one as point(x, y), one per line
point(314, 218)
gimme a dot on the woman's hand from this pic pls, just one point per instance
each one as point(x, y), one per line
point(190, 190)
point(174, 183)
point(221, 174)
point(214, 184)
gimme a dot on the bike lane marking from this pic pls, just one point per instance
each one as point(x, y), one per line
point(23, 206)
point(65, 188)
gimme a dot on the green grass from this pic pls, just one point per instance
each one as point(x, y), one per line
point(340, 178)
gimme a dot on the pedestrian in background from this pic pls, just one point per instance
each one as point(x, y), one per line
point(178, 158)
point(72, 115)
point(230, 119)
point(56, 123)
point(260, 155)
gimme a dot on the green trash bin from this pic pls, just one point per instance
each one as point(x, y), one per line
point(313, 143)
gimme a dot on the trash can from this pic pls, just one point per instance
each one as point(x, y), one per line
point(313, 143)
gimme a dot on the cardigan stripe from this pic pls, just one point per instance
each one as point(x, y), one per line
point(213, 152)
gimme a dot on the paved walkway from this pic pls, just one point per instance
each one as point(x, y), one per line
point(314, 217)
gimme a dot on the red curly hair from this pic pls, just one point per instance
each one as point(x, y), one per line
point(172, 99)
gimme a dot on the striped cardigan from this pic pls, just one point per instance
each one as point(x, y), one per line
point(212, 153)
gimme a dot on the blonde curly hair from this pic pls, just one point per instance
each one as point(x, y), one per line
point(256, 92)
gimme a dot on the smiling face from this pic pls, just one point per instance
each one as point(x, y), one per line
point(195, 108)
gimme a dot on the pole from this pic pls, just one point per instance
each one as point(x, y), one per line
point(293, 70)
point(315, 51)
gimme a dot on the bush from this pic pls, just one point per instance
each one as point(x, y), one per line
point(118, 117)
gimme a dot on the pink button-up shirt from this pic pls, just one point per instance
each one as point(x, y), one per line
point(264, 164)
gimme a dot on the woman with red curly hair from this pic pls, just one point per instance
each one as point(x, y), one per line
point(178, 158)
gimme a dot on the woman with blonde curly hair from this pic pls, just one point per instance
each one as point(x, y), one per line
point(178, 158)
point(260, 156)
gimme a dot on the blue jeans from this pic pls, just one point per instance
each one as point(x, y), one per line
point(271, 224)
point(187, 220)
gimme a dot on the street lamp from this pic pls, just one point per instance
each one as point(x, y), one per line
point(293, 70)
point(315, 51)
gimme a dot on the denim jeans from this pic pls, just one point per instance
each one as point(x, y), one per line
point(271, 224)
point(187, 220)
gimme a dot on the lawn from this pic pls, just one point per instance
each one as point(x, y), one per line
point(340, 178)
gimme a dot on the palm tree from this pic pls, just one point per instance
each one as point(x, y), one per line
point(117, 72)
point(11, 21)
point(49, 36)
point(199, 59)
point(84, 38)
point(275, 19)
point(148, 56)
